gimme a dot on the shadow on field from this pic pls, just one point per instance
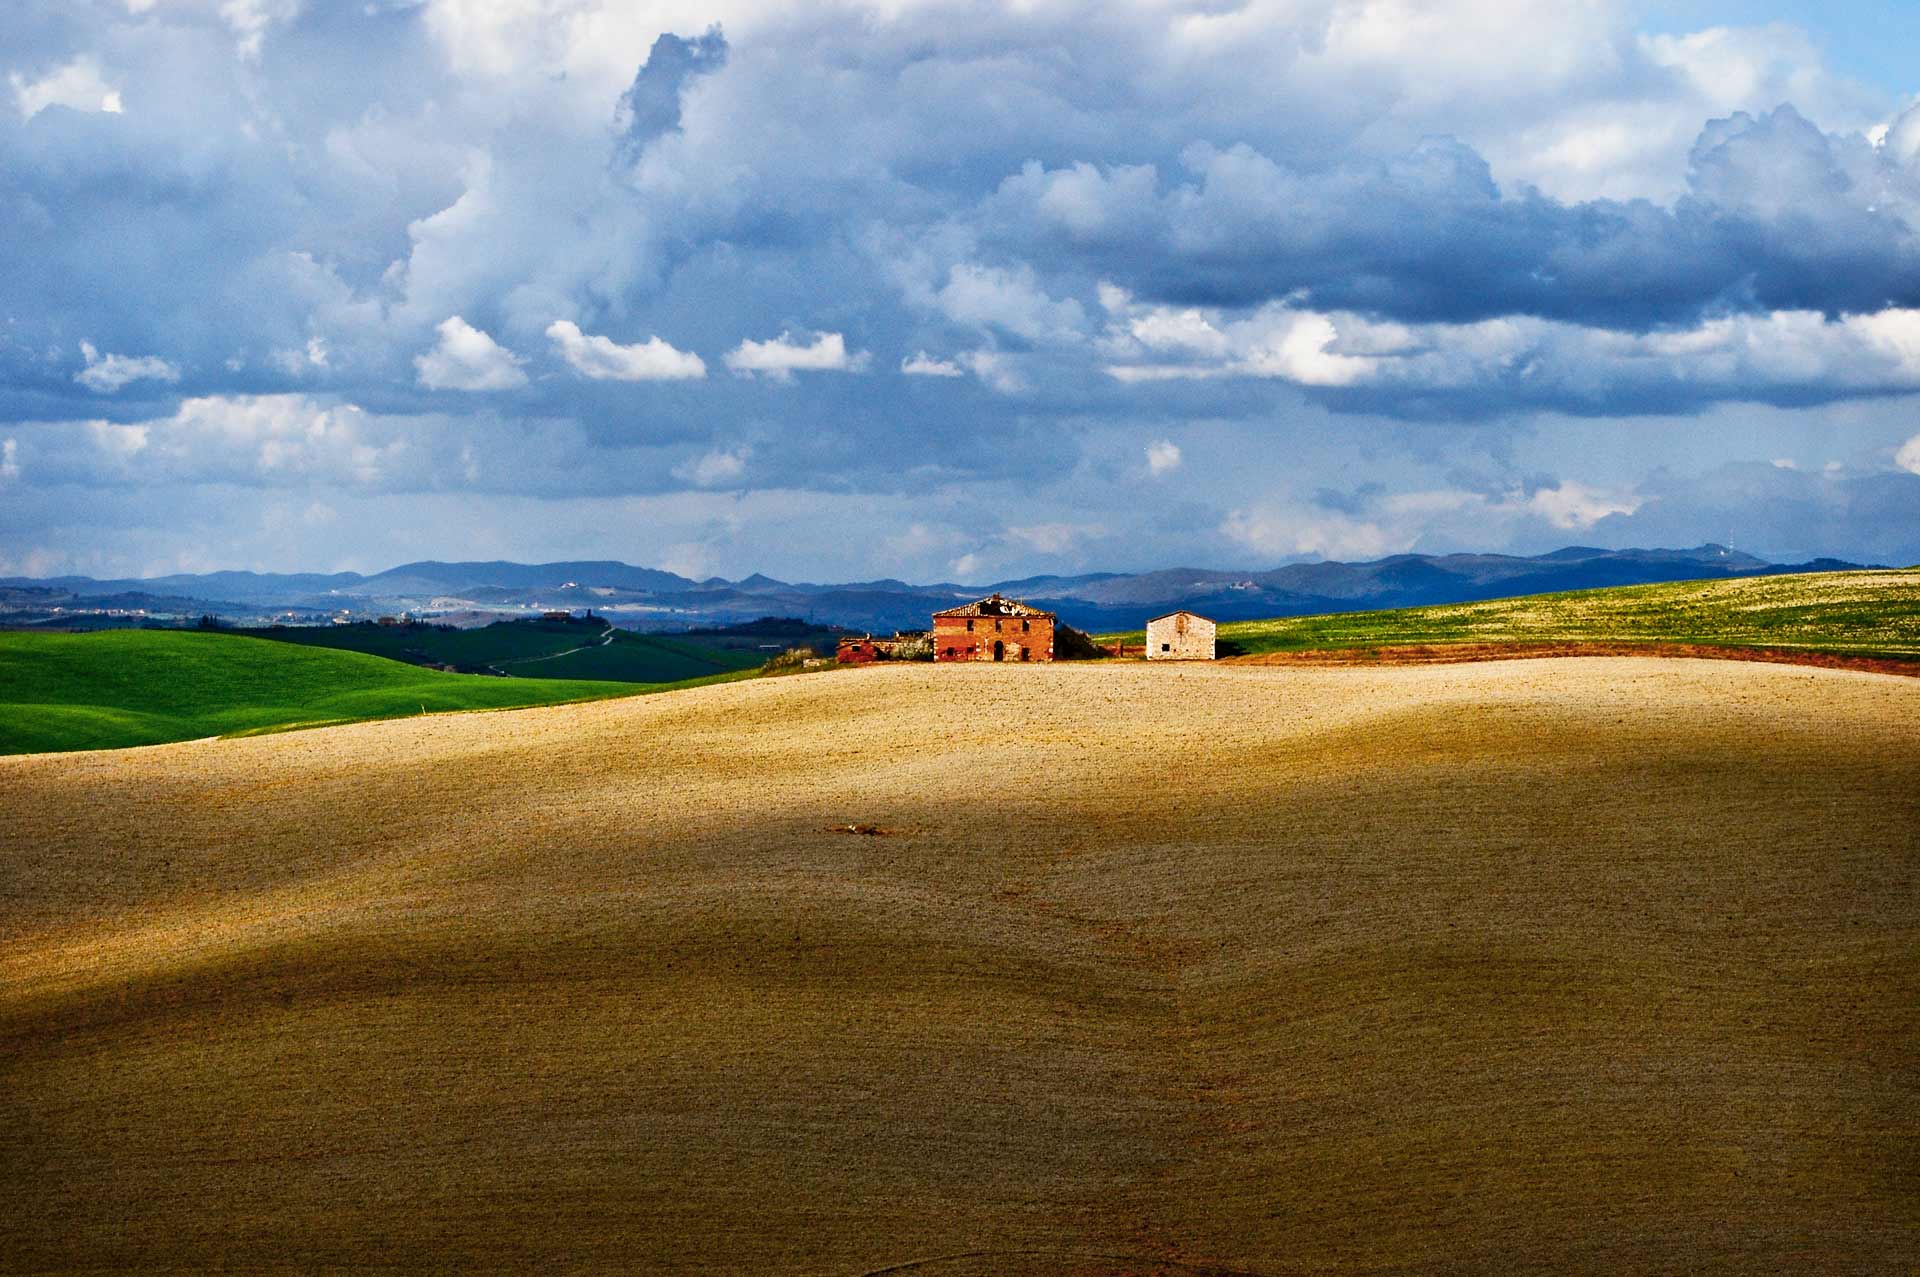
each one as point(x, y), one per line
point(1578, 966)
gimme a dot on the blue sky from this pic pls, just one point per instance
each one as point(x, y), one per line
point(1876, 42)
point(950, 289)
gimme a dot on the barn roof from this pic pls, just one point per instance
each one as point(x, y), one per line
point(994, 605)
point(1181, 611)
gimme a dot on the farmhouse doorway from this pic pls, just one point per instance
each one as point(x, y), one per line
point(999, 650)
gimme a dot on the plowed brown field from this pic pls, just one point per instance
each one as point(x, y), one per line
point(1590, 965)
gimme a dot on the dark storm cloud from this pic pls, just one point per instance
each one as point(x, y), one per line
point(1779, 512)
point(1778, 216)
point(652, 106)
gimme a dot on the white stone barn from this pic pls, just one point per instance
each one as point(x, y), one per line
point(1180, 636)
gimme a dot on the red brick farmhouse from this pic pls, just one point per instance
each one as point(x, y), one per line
point(993, 629)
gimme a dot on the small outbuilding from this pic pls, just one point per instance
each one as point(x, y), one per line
point(1180, 636)
point(905, 645)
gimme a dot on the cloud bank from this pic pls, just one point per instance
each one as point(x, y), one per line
point(1294, 247)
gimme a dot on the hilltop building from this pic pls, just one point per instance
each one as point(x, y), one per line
point(1180, 636)
point(993, 629)
point(905, 645)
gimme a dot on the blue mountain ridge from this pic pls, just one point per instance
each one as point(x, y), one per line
point(650, 598)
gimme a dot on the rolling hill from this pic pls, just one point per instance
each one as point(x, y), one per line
point(147, 687)
point(1863, 614)
point(1584, 966)
point(577, 649)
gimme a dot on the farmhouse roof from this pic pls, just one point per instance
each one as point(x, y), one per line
point(994, 605)
point(1182, 611)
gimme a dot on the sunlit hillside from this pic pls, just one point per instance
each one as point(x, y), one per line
point(145, 687)
point(1864, 614)
point(1540, 966)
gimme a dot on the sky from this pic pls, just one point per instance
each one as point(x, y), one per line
point(952, 289)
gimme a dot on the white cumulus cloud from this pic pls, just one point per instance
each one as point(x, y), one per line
point(79, 84)
point(270, 440)
point(1010, 299)
point(1576, 505)
point(1742, 355)
point(468, 359)
point(785, 355)
point(604, 359)
point(248, 20)
point(297, 363)
point(1908, 458)
point(1284, 531)
point(1164, 328)
point(1163, 456)
point(715, 469)
point(1401, 521)
point(996, 371)
point(9, 460)
point(921, 364)
point(1052, 538)
point(104, 374)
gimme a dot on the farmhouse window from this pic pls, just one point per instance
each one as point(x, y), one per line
point(1024, 627)
point(996, 627)
point(1166, 647)
point(969, 627)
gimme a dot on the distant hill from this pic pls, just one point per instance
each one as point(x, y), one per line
point(532, 648)
point(651, 599)
point(1869, 614)
point(454, 578)
point(148, 687)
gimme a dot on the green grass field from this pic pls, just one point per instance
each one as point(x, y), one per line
point(147, 687)
point(530, 649)
point(1868, 614)
point(768, 635)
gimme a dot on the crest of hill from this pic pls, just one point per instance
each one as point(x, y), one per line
point(1865, 614)
point(1582, 966)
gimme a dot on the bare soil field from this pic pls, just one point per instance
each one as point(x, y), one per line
point(1573, 965)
